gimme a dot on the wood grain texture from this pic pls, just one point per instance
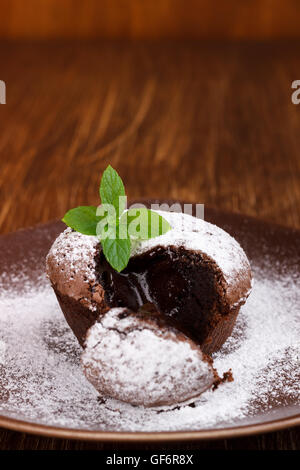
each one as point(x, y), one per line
point(206, 122)
point(250, 19)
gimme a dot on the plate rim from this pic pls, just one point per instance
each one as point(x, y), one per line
point(160, 436)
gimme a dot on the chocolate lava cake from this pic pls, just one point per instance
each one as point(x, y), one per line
point(142, 359)
point(196, 275)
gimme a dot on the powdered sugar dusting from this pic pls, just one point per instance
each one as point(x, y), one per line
point(2, 352)
point(76, 252)
point(199, 235)
point(133, 360)
point(41, 379)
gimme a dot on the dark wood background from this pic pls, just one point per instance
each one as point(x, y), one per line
point(254, 19)
point(209, 122)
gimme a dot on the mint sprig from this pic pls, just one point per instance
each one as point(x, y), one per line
point(112, 190)
point(83, 219)
point(144, 224)
point(117, 252)
point(116, 228)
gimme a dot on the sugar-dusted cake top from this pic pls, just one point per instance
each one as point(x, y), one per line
point(198, 235)
point(75, 252)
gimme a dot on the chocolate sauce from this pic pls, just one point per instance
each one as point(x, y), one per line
point(181, 284)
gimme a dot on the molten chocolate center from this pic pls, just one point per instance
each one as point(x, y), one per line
point(182, 285)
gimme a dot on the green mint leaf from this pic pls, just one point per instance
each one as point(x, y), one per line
point(117, 252)
point(83, 219)
point(144, 224)
point(112, 189)
point(109, 226)
point(117, 229)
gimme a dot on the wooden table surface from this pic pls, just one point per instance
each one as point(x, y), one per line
point(206, 122)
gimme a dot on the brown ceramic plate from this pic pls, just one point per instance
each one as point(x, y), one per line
point(274, 254)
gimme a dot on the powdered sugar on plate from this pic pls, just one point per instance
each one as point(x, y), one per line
point(41, 379)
